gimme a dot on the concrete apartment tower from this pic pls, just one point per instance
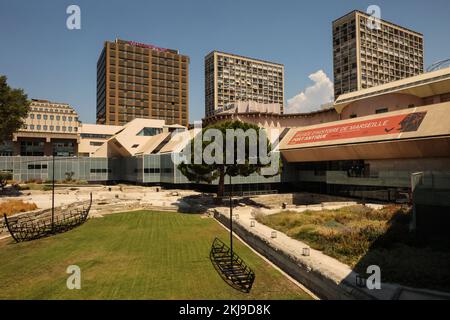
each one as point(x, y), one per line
point(230, 78)
point(137, 80)
point(367, 54)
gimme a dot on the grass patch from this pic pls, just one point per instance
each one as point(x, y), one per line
point(35, 186)
point(138, 255)
point(360, 236)
point(16, 206)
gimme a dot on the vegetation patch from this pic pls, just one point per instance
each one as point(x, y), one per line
point(360, 236)
point(35, 186)
point(16, 206)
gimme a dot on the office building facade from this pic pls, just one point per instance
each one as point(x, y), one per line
point(49, 128)
point(368, 53)
point(230, 78)
point(137, 80)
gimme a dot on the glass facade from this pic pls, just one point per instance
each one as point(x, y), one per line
point(32, 148)
point(6, 149)
point(152, 168)
point(64, 148)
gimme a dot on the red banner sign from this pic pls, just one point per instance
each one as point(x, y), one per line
point(143, 45)
point(375, 127)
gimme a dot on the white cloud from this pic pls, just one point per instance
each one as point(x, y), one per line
point(314, 96)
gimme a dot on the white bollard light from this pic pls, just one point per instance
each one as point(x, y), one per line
point(306, 252)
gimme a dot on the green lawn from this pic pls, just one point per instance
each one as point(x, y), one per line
point(138, 255)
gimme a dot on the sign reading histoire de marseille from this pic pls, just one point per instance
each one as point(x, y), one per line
point(143, 45)
point(375, 127)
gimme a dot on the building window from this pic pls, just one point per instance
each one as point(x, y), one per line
point(32, 148)
point(96, 143)
point(6, 149)
point(135, 146)
point(58, 118)
point(31, 126)
point(58, 128)
point(52, 128)
point(382, 110)
point(147, 132)
point(38, 127)
point(95, 136)
point(45, 117)
point(38, 116)
point(64, 128)
point(64, 148)
point(64, 118)
point(52, 117)
point(37, 166)
point(45, 127)
point(31, 116)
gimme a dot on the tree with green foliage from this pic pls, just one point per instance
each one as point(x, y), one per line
point(204, 172)
point(14, 107)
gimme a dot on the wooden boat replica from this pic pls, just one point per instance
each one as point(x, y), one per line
point(231, 267)
point(25, 229)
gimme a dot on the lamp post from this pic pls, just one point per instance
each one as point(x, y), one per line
point(231, 223)
point(53, 189)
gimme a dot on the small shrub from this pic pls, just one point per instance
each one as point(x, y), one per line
point(69, 176)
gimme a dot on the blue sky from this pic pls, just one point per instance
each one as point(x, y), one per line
point(38, 53)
